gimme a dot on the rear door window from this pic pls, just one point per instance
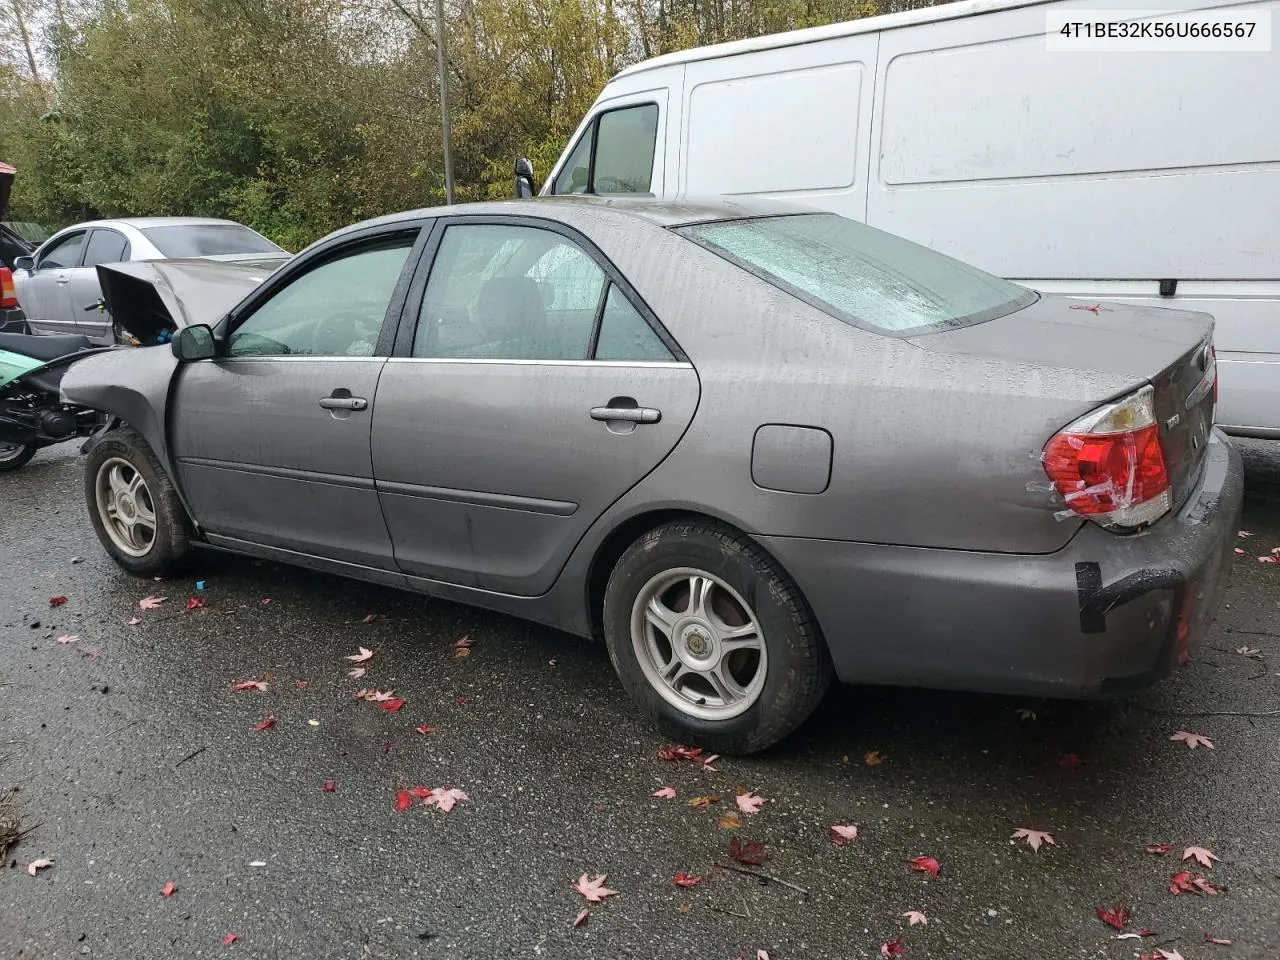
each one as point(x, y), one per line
point(106, 246)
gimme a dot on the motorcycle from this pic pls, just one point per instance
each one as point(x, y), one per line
point(32, 414)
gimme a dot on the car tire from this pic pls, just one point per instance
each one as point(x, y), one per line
point(734, 671)
point(15, 455)
point(134, 507)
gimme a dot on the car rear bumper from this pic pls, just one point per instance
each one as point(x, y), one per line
point(1103, 615)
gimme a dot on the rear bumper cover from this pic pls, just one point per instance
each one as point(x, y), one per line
point(1105, 614)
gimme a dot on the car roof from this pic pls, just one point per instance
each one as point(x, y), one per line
point(142, 223)
point(790, 38)
point(672, 212)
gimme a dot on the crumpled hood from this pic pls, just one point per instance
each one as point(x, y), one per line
point(148, 297)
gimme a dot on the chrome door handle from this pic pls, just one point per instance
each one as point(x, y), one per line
point(629, 414)
point(344, 403)
point(63, 281)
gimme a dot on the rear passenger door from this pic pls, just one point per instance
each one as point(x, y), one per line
point(530, 388)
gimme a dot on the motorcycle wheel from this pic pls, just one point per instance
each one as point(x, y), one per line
point(15, 455)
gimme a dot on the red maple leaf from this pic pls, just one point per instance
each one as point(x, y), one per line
point(243, 685)
point(462, 701)
point(195, 603)
point(422, 793)
point(686, 880)
point(229, 939)
point(1220, 941)
point(267, 723)
point(581, 918)
point(593, 888)
point(678, 752)
point(169, 889)
point(404, 800)
point(751, 852)
point(927, 865)
point(57, 601)
point(424, 729)
point(392, 705)
point(894, 948)
point(843, 833)
point(1159, 849)
point(1116, 917)
point(330, 786)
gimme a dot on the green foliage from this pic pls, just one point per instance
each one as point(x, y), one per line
point(300, 116)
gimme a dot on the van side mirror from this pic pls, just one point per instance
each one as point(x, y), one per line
point(25, 263)
point(524, 179)
point(194, 343)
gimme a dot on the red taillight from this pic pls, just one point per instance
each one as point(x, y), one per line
point(8, 293)
point(1109, 466)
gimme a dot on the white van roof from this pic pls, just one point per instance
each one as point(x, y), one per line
point(887, 21)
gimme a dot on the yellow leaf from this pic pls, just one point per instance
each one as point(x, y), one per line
point(730, 821)
point(701, 803)
point(873, 758)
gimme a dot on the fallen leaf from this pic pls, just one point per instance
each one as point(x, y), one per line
point(1201, 856)
point(925, 865)
point(445, 800)
point(686, 880)
point(69, 638)
point(1268, 558)
point(1204, 886)
point(1069, 761)
point(1248, 651)
point(872, 758)
point(355, 673)
point(461, 701)
point(1159, 849)
point(151, 602)
point(423, 729)
point(462, 647)
point(677, 753)
point(461, 652)
point(169, 889)
point(729, 821)
point(229, 939)
point(843, 833)
point(1243, 533)
point(707, 761)
point(267, 723)
point(1159, 954)
point(702, 803)
point(363, 656)
point(1117, 916)
point(664, 793)
point(762, 955)
point(1026, 714)
point(1239, 552)
point(1220, 941)
point(300, 684)
point(593, 889)
point(914, 917)
point(364, 693)
point(91, 654)
point(57, 601)
point(1192, 740)
point(249, 685)
point(894, 948)
point(1184, 882)
point(420, 792)
point(1034, 838)
point(749, 802)
point(391, 706)
point(36, 865)
point(404, 800)
point(329, 786)
point(370, 617)
point(751, 852)
point(196, 603)
point(265, 601)
point(581, 918)
point(133, 622)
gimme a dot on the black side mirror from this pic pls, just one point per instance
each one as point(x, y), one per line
point(194, 343)
point(524, 179)
point(25, 263)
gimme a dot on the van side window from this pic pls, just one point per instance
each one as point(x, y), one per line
point(614, 155)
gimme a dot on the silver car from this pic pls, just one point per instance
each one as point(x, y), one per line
point(750, 446)
point(58, 286)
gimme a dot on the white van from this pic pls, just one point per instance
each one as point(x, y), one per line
point(1143, 176)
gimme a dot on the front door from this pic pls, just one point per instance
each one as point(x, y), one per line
point(272, 439)
point(43, 293)
point(535, 393)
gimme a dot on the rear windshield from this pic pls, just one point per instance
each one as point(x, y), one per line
point(862, 275)
point(207, 240)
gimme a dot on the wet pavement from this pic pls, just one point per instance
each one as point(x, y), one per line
point(143, 768)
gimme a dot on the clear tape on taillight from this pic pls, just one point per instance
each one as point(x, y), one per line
point(1108, 466)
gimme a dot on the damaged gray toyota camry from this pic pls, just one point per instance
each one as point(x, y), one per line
point(750, 446)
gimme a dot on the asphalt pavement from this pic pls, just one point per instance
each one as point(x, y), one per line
point(142, 767)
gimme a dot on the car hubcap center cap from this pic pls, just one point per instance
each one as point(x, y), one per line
point(127, 509)
point(698, 645)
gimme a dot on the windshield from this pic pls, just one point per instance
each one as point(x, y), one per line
point(207, 240)
point(862, 275)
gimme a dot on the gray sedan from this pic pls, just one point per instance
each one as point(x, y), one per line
point(57, 286)
point(750, 446)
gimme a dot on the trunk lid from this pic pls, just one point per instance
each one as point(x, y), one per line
point(1170, 349)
